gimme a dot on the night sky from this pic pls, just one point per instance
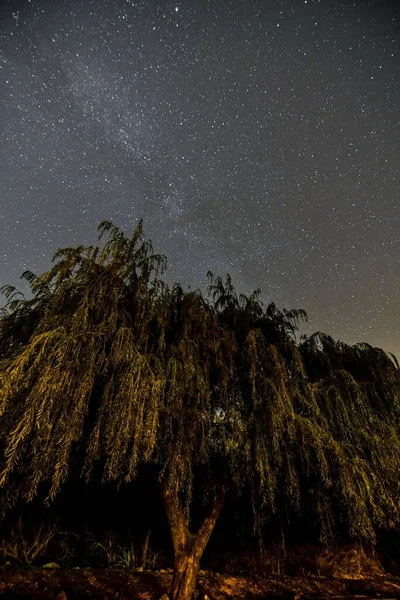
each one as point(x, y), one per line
point(256, 138)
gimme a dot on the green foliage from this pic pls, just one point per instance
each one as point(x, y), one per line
point(109, 550)
point(107, 360)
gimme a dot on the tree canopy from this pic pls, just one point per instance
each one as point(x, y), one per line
point(107, 360)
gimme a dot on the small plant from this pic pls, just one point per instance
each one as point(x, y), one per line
point(272, 558)
point(130, 556)
point(125, 558)
point(148, 557)
point(68, 548)
point(107, 548)
point(24, 546)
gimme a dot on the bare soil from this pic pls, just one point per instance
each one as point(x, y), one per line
point(107, 584)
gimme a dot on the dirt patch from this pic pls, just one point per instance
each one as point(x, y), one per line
point(107, 584)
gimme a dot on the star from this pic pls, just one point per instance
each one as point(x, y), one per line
point(259, 139)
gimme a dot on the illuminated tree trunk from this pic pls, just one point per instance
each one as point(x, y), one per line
point(188, 547)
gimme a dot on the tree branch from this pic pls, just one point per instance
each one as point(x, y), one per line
point(209, 521)
point(175, 516)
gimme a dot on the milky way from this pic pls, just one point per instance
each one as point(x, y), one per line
point(256, 138)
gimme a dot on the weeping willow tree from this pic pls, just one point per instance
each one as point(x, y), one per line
point(113, 360)
point(214, 394)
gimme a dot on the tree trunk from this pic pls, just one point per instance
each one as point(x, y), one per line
point(188, 547)
point(186, 568)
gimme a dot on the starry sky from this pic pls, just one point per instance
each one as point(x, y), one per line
point(259, 138)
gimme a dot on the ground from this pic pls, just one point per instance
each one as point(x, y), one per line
point(109, 584)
